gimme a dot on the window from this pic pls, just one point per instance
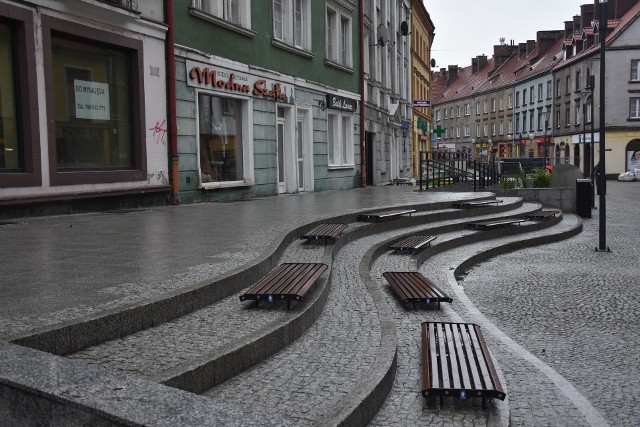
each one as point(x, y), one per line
point(96, 111)
point(457, 131)
point(501, 104)
point(634, 108)
point(221, 138)
point(437, 115)
point(467, 109)
point(19, 133)
point(517, 99)
point(493, 105)
point(635, 69)
point(11, 149)
point(340, 139)
point(485, 129)
point(539, 118)
point(578, 113)
point(558, 89)
point(477, 130)
point(568, 85)
point(477, 108)
point(524, 97)
point(501, 128)
point(510, 101)
point(524, 121)
point(339, 42)
point(446, 113)
point(577, 80)
point(540, 92)
point(517, 122)
point(493, 129)
point(235, 12)
point(548, 89)
point(291, 23)
point(458, 111)
point(484, 106)
point(531, 120)
point(567, 116)
point(531, 95)
point(467, 130)
point(510, 126)
point(558, 119)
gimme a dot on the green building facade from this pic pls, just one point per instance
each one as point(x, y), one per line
point(267, 97)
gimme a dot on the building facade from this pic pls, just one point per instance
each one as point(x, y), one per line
point(387, 91)
point(267, 97)
point(421, 39)
point(82, 103)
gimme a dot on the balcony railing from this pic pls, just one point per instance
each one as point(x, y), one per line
point(131, 5)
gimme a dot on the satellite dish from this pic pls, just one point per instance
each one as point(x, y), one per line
point(383, 38)
point(433, 63)
point(404, 28)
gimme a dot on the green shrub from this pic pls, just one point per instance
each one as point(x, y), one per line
point(541, 178)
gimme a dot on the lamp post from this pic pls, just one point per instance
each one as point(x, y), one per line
point(592, 84)
point(586, 163)
point(602, 240)
point(520, 144)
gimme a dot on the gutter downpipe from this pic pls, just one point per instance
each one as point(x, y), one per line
point(363, 153)
point(173, 127)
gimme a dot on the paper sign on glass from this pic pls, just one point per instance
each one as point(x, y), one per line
point(92, 100)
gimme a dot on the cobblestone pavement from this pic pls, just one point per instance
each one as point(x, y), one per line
point(561, 320)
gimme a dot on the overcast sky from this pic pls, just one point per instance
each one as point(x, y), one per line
point(468, 28)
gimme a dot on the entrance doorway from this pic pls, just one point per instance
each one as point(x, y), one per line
point(369, 138)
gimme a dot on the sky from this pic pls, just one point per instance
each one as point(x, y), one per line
point(468, 28)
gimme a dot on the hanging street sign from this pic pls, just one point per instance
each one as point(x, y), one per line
point(421, 103)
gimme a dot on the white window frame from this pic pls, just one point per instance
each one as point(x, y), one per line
point(215, 10)
point(340, 139)
point(339, 41)
point(635, 70)
point(634, 108)
point(284, 29)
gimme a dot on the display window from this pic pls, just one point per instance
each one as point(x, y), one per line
point(10, 150)
point(221, 138)
point(95, 108)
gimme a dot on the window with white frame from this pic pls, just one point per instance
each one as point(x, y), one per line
point(531, 120)
point(467, 130)
point(458, 131)
point(493, 105)
point(236, 12)
point(539, 91)
point(484, 106)
point(457, 111)
point(510, 101)
point(531, 95)
point(510, 126)
point(548, 89)
point(635, 69)
point(493, 129)
point(340, 139)
point(485, 129)
point(634, 108)
point(477, 130)
point(339, 43)
point(501, 128)
point(501, 103)
point(292, 22)
point(524, 121)
point(467, 109)
point(477, 108)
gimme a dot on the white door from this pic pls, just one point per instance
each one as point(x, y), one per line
point(300, 145)
point(280, 153)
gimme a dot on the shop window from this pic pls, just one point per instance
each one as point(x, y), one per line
point(95, 107)
point(340, 139)
point(10, 147)
point(91, 86)
point(19, 132)
point(221, 139)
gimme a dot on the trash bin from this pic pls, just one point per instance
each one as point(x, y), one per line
point(583, 197)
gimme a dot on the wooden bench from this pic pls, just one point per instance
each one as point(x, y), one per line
point(542, 215)
point(324, 232)
point(387, 216)
point(289, 281)
point(499, 223)
point(476, 204)
point(412, 243)
point(456, 362)
point(413, 287)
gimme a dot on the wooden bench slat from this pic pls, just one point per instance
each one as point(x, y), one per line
point(495, 224)
point(413, 243)
point(414, 287)
point(476, 203)
point(457, 362)
point(385, 215)
point(542, 215)
point(324, 232)
point(287, 281)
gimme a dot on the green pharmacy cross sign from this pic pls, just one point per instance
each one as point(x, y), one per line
point(438, 131)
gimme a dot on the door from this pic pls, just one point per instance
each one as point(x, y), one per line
point(369, 137)
point(280, 153)
point(301, 150)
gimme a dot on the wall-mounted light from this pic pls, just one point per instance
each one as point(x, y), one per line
point(323, 104)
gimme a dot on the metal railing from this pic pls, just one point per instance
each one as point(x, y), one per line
point(131, 5)
point(442, 169)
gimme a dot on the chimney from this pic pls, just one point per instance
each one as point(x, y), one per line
point(522, 50)
point(501, 53)
point(474, 65)
point(453, 72)
point(443, 73)
point(531, 46)
point(576, 24)
point(546, 39)
point(482, 62)
point(568, 29)
point(587, 13)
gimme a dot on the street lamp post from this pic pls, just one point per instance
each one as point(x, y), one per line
point(602, 240)
point(586, 163)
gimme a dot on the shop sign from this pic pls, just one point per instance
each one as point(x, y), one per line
point(92, 100)
point(220, 79)
point(341, 103)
